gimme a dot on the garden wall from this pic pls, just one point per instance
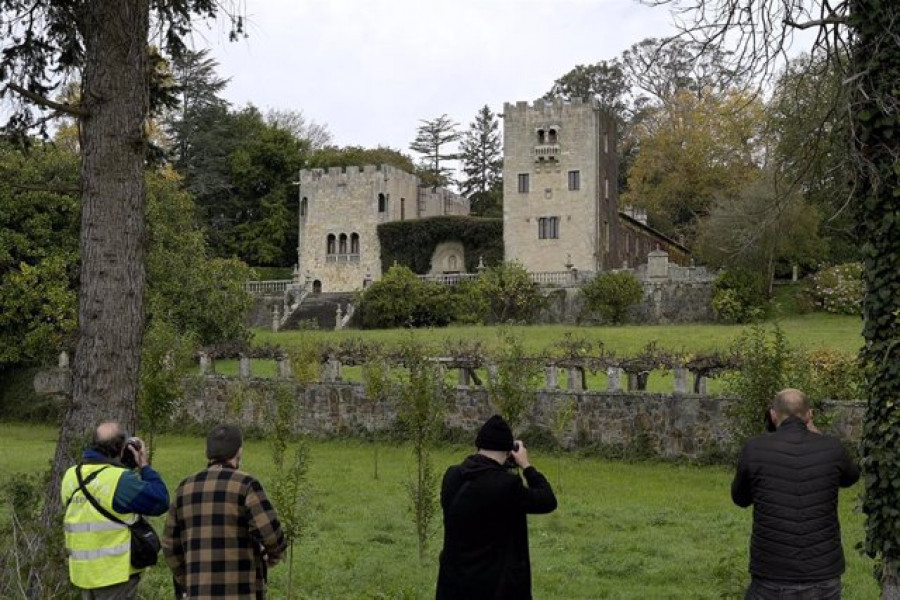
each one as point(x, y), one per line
point(671, 425)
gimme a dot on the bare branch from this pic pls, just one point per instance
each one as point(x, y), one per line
point(815, 23)
point(68, 109)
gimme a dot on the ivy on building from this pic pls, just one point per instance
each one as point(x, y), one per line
point(412, 243)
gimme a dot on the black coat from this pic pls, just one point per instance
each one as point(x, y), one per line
point(791, 477)
point(485, 555)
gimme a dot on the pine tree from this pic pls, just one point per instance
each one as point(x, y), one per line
point(431, 137)
point(481, 153)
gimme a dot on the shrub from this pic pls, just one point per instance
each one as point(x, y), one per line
point(838, 289)
point(507, 294)
point(612, 294)
point(401, 299)
point(738, 296)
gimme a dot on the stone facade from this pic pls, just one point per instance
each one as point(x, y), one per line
point(340, 210)
point(560, 194)
point(670, 425)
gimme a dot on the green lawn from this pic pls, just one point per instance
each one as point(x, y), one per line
point(812, 331)
point(642, 531)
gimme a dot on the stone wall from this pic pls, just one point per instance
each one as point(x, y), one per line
point(671, 425)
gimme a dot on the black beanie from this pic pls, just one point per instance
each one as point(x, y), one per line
point(495, 434)
point(223, 442)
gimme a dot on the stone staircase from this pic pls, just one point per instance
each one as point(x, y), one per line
point(319, 308)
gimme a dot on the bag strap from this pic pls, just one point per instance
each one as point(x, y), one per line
point(83, 485)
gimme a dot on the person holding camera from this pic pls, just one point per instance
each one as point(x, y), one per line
point(222, 533)
point(99, 549)
point(485, 503)
point(792, 477)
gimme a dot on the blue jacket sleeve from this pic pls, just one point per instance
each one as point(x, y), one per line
point(145, 495)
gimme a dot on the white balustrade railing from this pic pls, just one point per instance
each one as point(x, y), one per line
point(272, 286)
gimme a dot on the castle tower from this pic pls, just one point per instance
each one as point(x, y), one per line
point(340, 210)
point(559, 186)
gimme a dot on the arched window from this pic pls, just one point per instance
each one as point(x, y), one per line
point(382, 203)
point(551, 138)
point(342, 244)
point(354, 243)
point(303, 206)
point(330, 247)
point(317, 287)
point(540, 136)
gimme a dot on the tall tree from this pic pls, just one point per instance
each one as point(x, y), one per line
point(44, 41)
point(866, 30)
point(199, 88)
point(693, 150)
point(481, 153)
point(605, 80)
point(295, 122)
point(432, 137)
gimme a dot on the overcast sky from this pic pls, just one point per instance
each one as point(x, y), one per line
point(371, 69)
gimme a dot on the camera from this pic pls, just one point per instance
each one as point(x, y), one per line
point(510, 461)
point(127, 457)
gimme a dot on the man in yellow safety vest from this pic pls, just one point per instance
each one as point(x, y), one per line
point(99, 549)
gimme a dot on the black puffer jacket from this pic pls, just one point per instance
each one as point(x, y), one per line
point(791, 477)
point(485, 555)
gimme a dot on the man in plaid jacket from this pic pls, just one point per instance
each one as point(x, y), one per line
point(222, 533)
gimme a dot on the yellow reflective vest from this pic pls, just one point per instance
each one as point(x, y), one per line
point(99, 549)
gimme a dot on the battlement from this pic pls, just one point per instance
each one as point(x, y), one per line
point(552, 106)
point(335, 175)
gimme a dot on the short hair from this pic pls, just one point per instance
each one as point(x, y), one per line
point(223, 443)
point(109, 438)
point(790, 402)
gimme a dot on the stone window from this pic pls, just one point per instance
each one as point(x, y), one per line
point(317, 287)
point(551, 137)
point(330, 246)
point(354, 243)
point(606, 236)
point(606, 188)
point(402, 209)
point(606, 142)
point(548, 228)
point(574, 180)
point(342, 244)
point(303, 206)
point(540, 133)
point(523, 183)
point(382, 203)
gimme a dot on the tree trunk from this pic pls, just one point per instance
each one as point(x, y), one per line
point(111, 290)
point(875, 114)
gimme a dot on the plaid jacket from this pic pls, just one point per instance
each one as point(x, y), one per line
point(221, 535)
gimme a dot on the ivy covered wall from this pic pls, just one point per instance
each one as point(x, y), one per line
point(412, 243)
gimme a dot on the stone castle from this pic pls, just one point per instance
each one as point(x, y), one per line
point(340, 210)
point(560, 207)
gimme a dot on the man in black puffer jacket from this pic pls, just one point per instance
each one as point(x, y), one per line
point(791, 477)
point(485, 555)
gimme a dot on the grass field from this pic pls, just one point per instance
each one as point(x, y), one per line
point(631, 531)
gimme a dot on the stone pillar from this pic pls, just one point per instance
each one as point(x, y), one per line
point(657, 265)
point(464, 379)
point(574, 382)
point(492, 371)
point(284, 366)
point(794, 273)
point(338, 317)
point(63, 362)
point(552, 383)
point(613, 379)
point(206, 364)
point(331, 370)
point(244, 367)
point(700, 384)
point(681, 380)
point(276, 319)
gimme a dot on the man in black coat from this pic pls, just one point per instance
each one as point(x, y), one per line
point(485, 555)
point(791, 477)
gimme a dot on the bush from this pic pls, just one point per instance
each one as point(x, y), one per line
point(401, 299)
point(838, 289)
point(611, 294)
point(738, 296)
point(507, 294)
